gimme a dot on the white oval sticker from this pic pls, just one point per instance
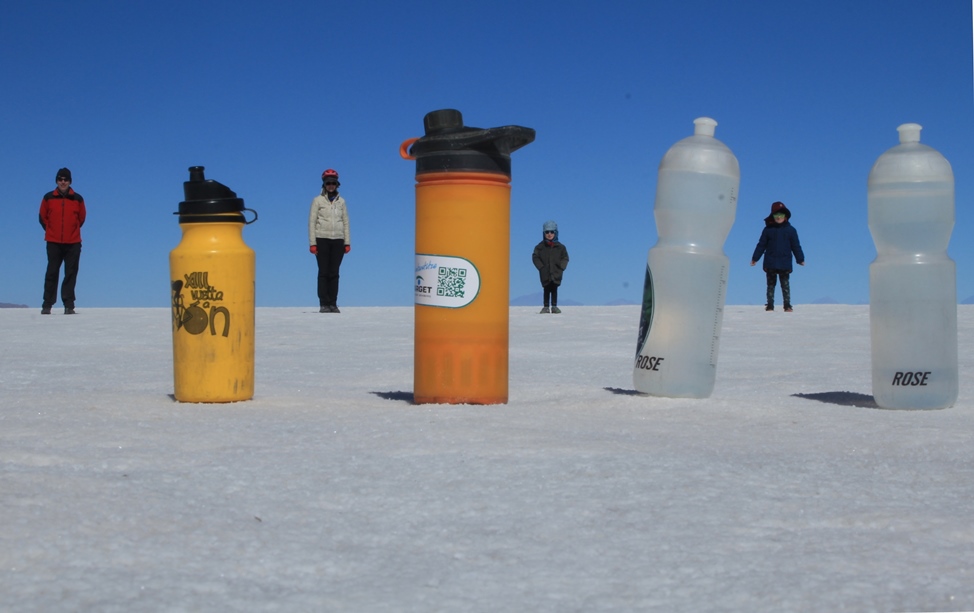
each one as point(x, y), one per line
point(445, 281)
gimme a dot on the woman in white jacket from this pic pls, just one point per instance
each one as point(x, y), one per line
point(330, 239)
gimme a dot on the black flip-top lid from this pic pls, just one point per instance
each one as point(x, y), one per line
point(449, 146)
point(207, 197)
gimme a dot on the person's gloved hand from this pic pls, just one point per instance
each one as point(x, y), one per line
point(314, 249)
point(348, 248)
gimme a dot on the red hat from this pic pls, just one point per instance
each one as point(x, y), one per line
point(330, 174)
point(777, 206)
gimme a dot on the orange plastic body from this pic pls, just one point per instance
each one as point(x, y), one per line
point(461, 352)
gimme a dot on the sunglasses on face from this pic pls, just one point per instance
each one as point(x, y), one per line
point(331, 183)
point(549, 231)
point(62, 179)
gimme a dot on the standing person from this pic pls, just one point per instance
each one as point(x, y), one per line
point(330, 239)
point(62, 214)
point(779, 240)
point(551, 259)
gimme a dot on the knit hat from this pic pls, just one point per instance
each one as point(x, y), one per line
point(550, 226)
point(779, 207)
point(64, 172)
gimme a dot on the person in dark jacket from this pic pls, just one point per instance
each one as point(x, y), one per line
point(551, 259)
point(779, 240)
point(62, 214)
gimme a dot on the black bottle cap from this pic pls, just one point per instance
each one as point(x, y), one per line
point(449, 146)
point(207, 197)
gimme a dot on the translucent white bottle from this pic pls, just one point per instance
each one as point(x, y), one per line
point(686, 271)
point(912, 281)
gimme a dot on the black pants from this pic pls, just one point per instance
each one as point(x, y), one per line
point(329, 256)
point(551, 294)
point(68, 254)
point(785, 287)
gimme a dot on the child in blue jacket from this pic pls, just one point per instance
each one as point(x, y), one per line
point(779, 240)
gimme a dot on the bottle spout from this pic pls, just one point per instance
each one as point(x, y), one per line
point(450, 146)
point(704, 126)
point(206, 196)
point(199, 188)
point(443, 120)
point(909, 133)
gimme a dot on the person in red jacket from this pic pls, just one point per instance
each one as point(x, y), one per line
point(62, 215)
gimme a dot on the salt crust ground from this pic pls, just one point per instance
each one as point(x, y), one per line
point(784, 491)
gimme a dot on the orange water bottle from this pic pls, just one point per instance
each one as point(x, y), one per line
point(463, 237)
point(211, 275)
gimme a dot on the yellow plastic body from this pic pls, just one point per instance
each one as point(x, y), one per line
point(212, 290)
point(461, 354)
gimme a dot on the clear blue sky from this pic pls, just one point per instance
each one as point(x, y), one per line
point(266, 95)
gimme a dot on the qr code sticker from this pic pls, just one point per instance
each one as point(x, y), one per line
point(451, 282)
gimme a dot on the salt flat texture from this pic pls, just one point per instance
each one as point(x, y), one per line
point(784, 491)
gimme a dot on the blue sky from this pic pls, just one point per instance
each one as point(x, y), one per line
point(266, 95)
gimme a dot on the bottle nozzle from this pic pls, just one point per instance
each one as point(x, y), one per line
point(909, 132)
point(704, 126)
point(201, 190)
point(443, 120)
point(449, 146)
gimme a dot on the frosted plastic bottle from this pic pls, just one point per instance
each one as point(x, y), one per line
point(912, 281)
point(686, 271)
point(462, 280)
point(212, 290)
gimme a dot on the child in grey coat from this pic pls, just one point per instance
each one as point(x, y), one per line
point(551, 259)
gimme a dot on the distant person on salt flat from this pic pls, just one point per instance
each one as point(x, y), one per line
point(551, 259)
point(330, 238)
point(62, 214)
point(779, 240)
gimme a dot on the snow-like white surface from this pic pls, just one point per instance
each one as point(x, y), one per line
point(332, 491)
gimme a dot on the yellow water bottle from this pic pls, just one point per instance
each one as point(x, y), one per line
point(211, 275)
point(463, 219)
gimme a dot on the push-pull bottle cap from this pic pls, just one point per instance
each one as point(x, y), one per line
point(449, 146)
point(909, 132)
point(209, 201)
point(704, 126)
